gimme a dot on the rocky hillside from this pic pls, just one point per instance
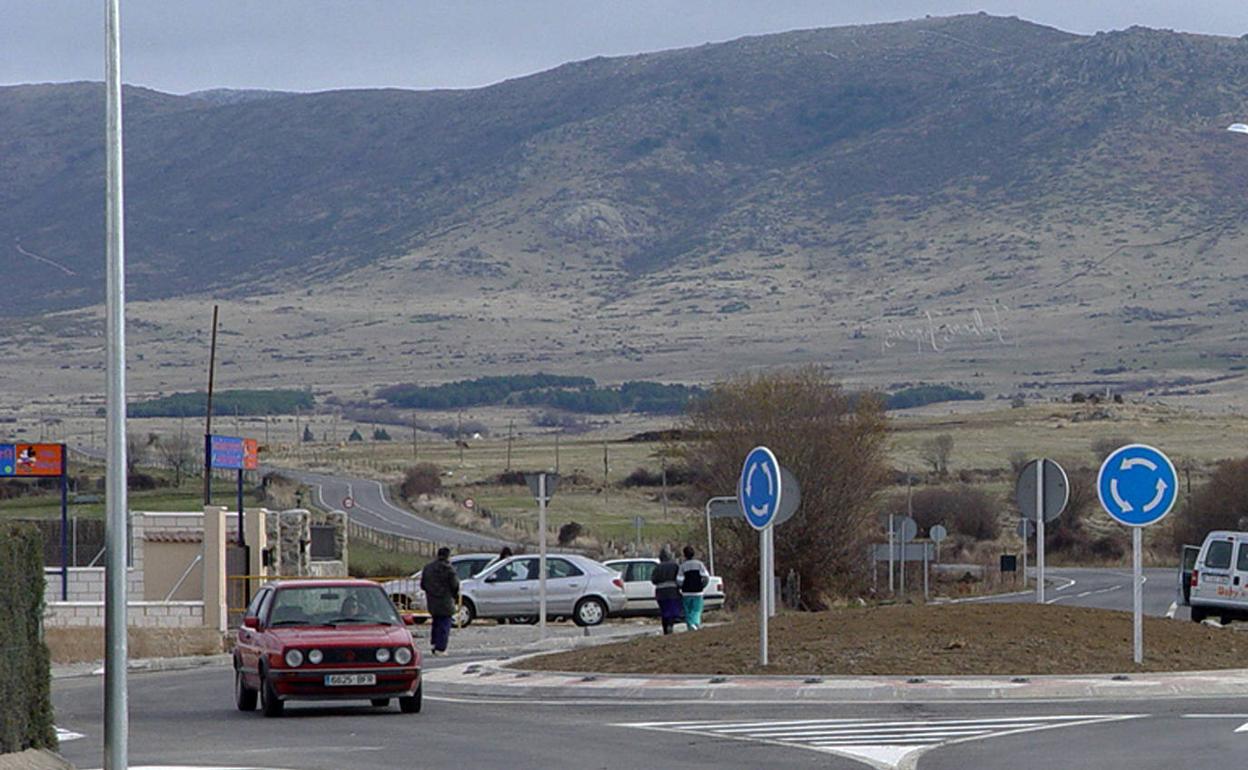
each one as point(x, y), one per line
point(878, 179)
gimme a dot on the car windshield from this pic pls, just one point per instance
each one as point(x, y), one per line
point(332, 606)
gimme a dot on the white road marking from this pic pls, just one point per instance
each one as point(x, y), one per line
point(63, 735)
point(881, 744)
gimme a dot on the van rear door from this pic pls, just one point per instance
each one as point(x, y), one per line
point(1214, 579)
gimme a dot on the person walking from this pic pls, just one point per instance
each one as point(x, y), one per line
point(666, 592)
point(692, 578)
point(441, 587)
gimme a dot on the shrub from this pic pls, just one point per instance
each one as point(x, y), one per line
point(25, 677)
point(421, 479)
point(1218, 504)
point(964, 510)
point(569, 532)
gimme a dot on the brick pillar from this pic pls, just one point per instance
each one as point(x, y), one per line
point(257, 541)
point(215, 608)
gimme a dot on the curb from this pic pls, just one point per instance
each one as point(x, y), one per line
point(502, 680)
point(96, 668)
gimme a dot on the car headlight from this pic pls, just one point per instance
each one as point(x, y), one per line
point(315, 657)
point(383, 654)
point(403, 655)
point(294, 658)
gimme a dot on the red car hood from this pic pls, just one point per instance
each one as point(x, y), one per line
point(345, 635)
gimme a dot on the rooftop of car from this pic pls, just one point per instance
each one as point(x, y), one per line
point(325, 583)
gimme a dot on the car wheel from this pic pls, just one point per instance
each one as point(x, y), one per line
point(269, 702)
point(525, 620)
point(1199, 614)
point(244, 696)
point(380, 703)
point(465, 613)
point(410, 704)
point(589, 612)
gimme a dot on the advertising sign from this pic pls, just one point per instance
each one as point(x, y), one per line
point(32, 460)
point(234, 453)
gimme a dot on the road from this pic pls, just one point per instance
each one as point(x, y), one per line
point(373, 509)
point(1107, 589)
point(188, 718)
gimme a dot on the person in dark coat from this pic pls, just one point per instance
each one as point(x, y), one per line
point(666, 592)
point(441, 587)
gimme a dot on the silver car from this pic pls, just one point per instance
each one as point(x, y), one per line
point(577, 587)
point(408, 596)
point(640, 591)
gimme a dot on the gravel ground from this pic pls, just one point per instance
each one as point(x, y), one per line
point(914, 640)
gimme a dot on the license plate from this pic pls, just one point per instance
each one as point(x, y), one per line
point(1219, 579)
point(347, 680)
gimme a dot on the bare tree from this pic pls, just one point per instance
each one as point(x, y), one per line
point(177, 453)
point(936, 452)
point(138, 448)
point(1104, 447)
point(833, 444)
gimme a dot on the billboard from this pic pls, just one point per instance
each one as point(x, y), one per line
point(32, 460)
point(234, 453)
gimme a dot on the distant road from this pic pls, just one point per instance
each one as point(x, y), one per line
point(1103, 588)
point(374, 510)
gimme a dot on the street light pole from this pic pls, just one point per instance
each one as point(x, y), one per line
point(116, 710)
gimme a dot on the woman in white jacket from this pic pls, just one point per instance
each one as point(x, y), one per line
point(692, 579)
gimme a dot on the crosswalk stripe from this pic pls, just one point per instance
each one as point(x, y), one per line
point(882, 744)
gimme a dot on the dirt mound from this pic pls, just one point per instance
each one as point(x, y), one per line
point(922, 640)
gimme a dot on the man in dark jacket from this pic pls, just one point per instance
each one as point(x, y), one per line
point(666, 593)
point(441, 587)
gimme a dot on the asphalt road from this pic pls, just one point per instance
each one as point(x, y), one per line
point(188, 718)
point(373, 509)
point(1107, 589)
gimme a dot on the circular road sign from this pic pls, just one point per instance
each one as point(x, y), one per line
point(348, 502)
point(906, 529)
point(1056, 490)
point(1026, 528)
point(469, 503)
point(1137, 485)
point(938, 533)
point(759, 487)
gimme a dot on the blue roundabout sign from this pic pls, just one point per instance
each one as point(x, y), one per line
point(1137, 485)
point(758, 490)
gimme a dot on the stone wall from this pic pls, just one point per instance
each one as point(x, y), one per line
point(139, 614)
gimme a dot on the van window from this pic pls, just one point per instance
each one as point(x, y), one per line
point(1219, 555)
point(1241, 563)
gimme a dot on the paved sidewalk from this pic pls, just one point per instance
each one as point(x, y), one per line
point(502, 680)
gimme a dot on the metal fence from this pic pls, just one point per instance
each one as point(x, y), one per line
point(85, 540)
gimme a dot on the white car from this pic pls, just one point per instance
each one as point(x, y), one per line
point(577, 587)
point(408, 596)
point(1219, 582)
point(640, 591)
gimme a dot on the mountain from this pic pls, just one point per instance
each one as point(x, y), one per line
point(850, 191)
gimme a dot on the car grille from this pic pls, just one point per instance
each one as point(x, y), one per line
point(349, 655)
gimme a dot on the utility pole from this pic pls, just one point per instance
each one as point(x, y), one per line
point(459, 436)
point(605, 469)
point(415, 450)
point(511, 424)
point(664, 458)
point(556, 453)
point(212, 366)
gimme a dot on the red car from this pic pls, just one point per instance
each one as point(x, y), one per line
point(324, 640)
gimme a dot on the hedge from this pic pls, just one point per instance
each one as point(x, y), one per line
point(25, 677)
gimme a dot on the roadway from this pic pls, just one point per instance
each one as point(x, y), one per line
point(1104, 588)
point(373, 509)
point(188, 718)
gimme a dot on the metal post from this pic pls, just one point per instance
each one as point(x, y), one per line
point(710, 543)
point(1025, 549)
point(116, 710)
point(925, 572)
point(901, 568)
point(1040, 531)
point(762, 598)
point(64, 530)
point(892, 589)
point(771, 571)
point(541, 528)
point(1137, 622)
point(242, 539)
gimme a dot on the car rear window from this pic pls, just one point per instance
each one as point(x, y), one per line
point(1219, 555)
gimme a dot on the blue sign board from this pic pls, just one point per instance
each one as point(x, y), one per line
point(8, 458)
point(227, 452)
point(1137, 485)
point(759, 487)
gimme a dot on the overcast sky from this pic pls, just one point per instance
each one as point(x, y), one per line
point(310, 45)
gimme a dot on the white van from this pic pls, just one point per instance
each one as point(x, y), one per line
point(1220, 578)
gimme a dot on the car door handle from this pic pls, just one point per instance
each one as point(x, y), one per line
point(1236, 581)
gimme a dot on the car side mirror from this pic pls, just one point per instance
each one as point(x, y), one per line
point(251, 621)
point(493, 578)
point(409, 619)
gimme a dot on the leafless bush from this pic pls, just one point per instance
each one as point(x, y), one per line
point(833, 444)
point(964, 509)
point(936, 453)
point(421, 479)
point(1219, 504)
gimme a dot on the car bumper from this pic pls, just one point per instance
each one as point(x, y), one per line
point(309, 684)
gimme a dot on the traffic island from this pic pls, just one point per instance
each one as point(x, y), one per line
point(897, 653)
